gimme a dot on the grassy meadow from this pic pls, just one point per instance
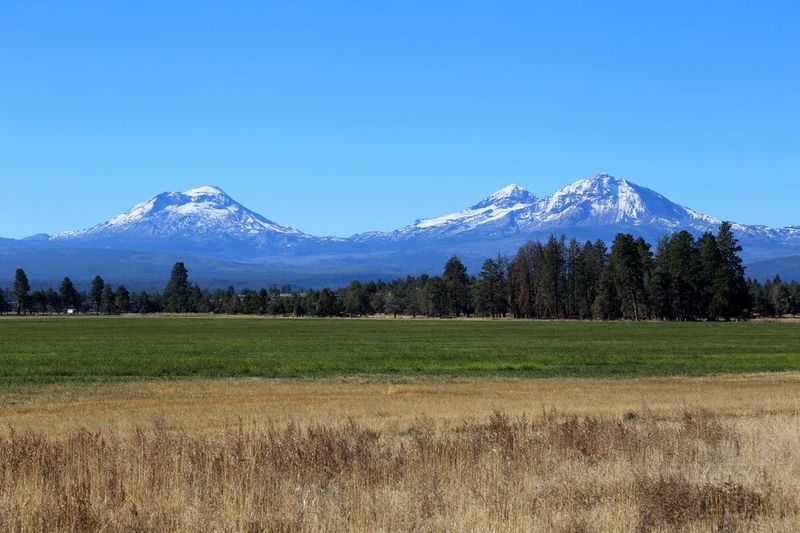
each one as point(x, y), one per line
point(188, 423)
point(37, 350)
point(476, 454)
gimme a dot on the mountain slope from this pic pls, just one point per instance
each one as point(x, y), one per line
point(788, 268)
point(496, 212)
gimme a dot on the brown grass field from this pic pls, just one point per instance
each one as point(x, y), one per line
point(698, 454)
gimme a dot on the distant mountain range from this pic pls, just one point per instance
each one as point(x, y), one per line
point(224, 242)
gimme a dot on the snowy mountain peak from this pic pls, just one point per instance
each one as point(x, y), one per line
point(508, 196)
point(205, 190)
point(200, 214)
point(508, 190)
point(604, 199)
point(598, 185)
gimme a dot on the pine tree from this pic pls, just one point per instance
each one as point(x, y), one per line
point(523, 275)
point(660, 286)
point(122, 299)
point(712, 291)
point(326, 304)
point(436, 297)
point(456, 284)
point(376, 300)
point(276, 306)
point(38, 302)
point(144, 303)
point(572, 264)
point(737, 301)
point(413, 301)
point(606, 306)
point(22, 289)
point(794, 299)
point(627, 269)
point(176, 293)
point(684, 270)
point(355, 301)
point(3, 302)
point(96, 292)
point(107, 301)
point(592, 260)
point(491, 290)
point(310, 302)
point(646, 258)
point(764, 304)
point(70, 298)
point(780, 297)
point(232, 304)
point(53, 299)
point(299, 305)
point(552, 280)
point(199, 300)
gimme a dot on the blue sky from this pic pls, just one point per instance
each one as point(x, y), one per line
point(340, 117)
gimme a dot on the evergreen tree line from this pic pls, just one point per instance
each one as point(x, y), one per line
point(682, 279)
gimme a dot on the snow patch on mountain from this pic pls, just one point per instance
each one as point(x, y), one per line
point(471, 217)
point(507, 197)
point(205, 190)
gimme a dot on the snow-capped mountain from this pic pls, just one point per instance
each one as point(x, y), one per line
point(605, 200)
point(596, 202)
point(208, 220)
point(207, 224)
point(201, 217)
point(597, 207)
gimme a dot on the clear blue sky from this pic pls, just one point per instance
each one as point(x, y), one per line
point(340, 117)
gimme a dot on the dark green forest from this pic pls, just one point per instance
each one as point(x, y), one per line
point(682, 279)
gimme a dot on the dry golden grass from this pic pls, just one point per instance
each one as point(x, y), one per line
point(717, 453)
point(205, 405)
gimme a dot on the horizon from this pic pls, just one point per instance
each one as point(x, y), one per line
point(347, 118)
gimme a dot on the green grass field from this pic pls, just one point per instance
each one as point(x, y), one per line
point(49, 349)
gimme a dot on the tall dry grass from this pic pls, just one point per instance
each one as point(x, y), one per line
point(689, 470)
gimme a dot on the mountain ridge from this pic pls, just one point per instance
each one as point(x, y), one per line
point(602, 199)
point(206, 222)
point(594, 202)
